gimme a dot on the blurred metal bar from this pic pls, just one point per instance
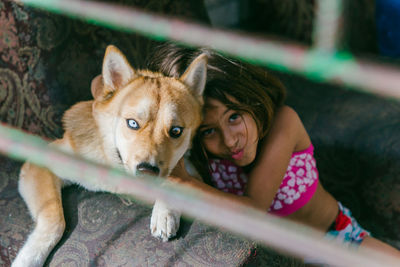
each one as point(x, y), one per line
point(339, 68)
point(272, 231)
point(326, 26)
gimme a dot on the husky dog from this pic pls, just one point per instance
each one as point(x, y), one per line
point(140, 120)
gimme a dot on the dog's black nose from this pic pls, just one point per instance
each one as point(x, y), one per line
point(147, 168)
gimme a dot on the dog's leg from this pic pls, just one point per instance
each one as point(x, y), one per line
point(164, 221)
point(41, 191)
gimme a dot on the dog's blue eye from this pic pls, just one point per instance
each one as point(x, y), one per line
point(175, 131)
point(132, 124)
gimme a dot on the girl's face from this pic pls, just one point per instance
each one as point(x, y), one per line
point(228, 134)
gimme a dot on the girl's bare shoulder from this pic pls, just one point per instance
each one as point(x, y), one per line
point(286, 122)
point(287, 115)
point(288, 125)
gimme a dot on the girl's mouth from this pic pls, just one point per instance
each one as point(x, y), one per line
point(237, 155)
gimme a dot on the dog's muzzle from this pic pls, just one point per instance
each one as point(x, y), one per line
point(147, 168)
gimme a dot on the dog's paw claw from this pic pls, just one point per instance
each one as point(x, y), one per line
point(164, 222)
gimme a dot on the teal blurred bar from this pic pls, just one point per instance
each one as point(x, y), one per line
point(320, 65)
point(326, 35)
point(272, 231)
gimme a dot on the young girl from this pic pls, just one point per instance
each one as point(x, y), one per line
point(259, 152)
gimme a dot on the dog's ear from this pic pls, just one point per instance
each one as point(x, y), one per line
point(117, 71)
point(195, 75)
point(96, 87)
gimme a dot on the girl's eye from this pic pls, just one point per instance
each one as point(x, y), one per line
point(234, 117)
point(175, 131)
point(132, 124)
point(207, 132)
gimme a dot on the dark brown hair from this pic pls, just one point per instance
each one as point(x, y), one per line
point(257, 92)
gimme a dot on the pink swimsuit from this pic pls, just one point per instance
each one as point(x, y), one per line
point(297, 188)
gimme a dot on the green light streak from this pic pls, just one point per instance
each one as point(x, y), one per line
point(320, 64)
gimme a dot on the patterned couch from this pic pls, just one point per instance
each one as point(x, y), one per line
point(46, 64)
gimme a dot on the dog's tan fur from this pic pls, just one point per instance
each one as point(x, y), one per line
point(99, 129)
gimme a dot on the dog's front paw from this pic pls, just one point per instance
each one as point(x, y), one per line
point(164, 221)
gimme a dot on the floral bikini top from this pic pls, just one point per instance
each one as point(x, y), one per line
point(297, 188)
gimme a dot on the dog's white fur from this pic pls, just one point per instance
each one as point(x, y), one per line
point(98, 129)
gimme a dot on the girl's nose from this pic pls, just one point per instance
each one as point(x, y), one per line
point(230, 139)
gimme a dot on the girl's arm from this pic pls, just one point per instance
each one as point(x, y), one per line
point(181, 176)
point(286, 136)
